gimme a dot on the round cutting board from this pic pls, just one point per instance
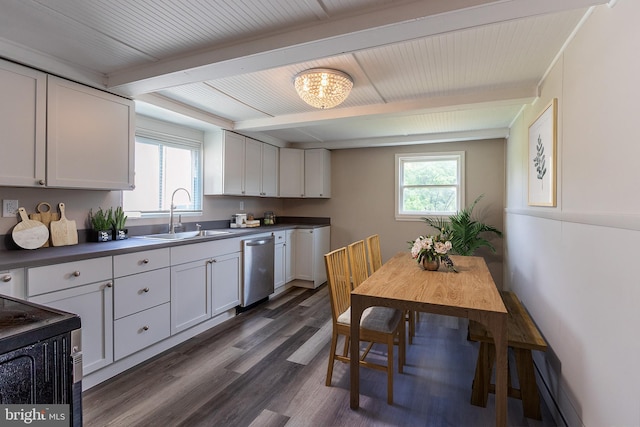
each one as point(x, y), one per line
point(29, 234)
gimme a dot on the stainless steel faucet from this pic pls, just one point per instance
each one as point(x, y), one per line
point(172, 226)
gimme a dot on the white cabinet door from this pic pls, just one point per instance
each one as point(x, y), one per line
point(317, 173)
point(269, 170)
point(304, 254)
point(90, 137)
point(291, 172)
point(225, 282)
point(23, 103)
point(94, 304)
point(190, 295)
point(290, 260)
point(252, 167)
point(311, 245)
point(279, 265)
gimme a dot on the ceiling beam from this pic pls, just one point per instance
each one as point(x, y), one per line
point(392, 141)
point(333, 36)
point(495, 97)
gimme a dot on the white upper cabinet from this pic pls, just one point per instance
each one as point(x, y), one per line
point(63, 134)
point(291, 172)
point(317, 173)
point(238, 166)
point(23, 120)
point(305, 173)
point(270, 167)
point(90, 137)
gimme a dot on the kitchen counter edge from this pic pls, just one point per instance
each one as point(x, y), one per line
point(11, 259)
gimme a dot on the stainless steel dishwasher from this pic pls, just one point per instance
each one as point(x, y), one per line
point(258, 263)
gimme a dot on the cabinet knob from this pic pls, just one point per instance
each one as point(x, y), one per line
point(41, 182)
point(145, 261)
point(76, 274)
point(109, 285)
point(145, 328)
point(6, 278)
point(145, 290)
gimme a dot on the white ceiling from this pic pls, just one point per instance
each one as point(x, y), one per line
point(431, 70)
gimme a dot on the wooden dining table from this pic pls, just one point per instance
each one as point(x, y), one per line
point(470, 293)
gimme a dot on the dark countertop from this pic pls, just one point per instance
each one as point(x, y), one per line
point(55, 255)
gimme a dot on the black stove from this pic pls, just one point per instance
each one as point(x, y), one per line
point(24, 323)
point(40, 356)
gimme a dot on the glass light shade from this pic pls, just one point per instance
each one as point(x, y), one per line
point(323, 87)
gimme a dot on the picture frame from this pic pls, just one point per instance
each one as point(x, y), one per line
point(541, 157)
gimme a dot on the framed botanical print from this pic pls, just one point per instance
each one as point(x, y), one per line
point(542, 157)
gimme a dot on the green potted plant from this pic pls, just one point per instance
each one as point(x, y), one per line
point(118, 224)
point(464, 231)
point(101, 222)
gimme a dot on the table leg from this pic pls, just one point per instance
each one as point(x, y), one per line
point(496, 324)
point(357, 307)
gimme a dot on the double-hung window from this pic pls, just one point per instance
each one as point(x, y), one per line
point(166, 159)
point(429, 184)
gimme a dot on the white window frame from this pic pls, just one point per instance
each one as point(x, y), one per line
point(403, 158)
point(169, 134)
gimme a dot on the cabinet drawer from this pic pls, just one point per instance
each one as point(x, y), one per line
point(196, 251)
point(140, 330)
point(12, 283)
point(67, 275)
point(279, 236)
point(140, 291)
point(139, 262)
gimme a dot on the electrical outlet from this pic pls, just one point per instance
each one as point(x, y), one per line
point(241, 206)
point(9, 208)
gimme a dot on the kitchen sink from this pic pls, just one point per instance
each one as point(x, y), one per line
point(185, 234)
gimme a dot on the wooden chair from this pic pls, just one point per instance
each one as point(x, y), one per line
point(375, 262)
point(358, 263)
point(373, 249)
point(378, 324)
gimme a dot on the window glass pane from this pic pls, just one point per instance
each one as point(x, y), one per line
point(161, 168)
point(418, 200)
point(438, 172)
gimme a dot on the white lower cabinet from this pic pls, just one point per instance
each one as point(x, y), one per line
point(225, 282)
point(94, 304)
point(311, 245)
point(289, 256)
point(190, 295)
point(279, 267)
point(84, 288)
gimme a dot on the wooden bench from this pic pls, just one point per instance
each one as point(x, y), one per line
point(523, 336)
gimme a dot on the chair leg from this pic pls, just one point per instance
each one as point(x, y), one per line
point(402, 348)
point(390, 345)
point(410, 315)
point(332, 354)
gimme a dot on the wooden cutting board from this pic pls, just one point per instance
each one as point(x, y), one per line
point(29, 234)
point(63, 231)
point(45, 215)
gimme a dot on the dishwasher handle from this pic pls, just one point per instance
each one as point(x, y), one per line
point(260, 242)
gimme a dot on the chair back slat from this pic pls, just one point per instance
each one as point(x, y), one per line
point(358, 263)
point(337, 267)
point(375, 257)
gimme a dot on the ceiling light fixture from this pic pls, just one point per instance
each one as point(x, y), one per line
point(323, 87)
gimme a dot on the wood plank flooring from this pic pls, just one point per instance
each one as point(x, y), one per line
point(267, 368)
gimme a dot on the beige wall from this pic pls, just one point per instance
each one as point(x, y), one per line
point(575, 266)
point(362, 195)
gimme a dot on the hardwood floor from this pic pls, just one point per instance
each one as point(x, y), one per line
point(267, 368)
